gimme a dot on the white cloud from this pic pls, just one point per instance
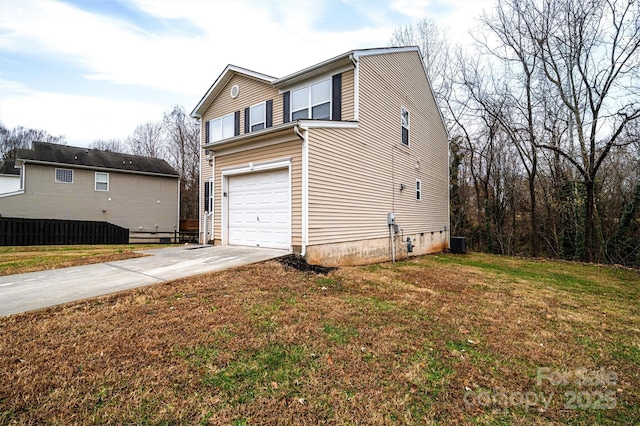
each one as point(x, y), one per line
point(274, 38)
point(82, 119)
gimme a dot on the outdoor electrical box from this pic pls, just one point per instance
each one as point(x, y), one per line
point(391, 219)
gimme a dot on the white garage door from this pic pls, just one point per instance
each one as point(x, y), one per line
point(258, 208)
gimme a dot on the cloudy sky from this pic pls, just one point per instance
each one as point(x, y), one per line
point(94, 69)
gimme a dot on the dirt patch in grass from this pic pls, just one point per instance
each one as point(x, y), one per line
point(18, 260)
point(434, 340)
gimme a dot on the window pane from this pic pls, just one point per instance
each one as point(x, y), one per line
point(405, 118)
point(299, 115)
point(322, 112)
point(64, 176)
point(227, 126)
point(102, 177)
point(300, 99)
point(257, 127)
point(101, 186)
point(405, 136)
point(215, 130)
point(257, 114)
point(321, 92)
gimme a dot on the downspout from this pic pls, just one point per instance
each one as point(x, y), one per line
point(177, 226)
point(304, 135)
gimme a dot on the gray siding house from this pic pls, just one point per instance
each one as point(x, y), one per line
point(66, 182)
point(320, 162)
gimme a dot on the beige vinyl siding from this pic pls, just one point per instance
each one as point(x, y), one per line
point(355, 174)
point(251, 92)
point(136, 200)
point(348, 96)
point(286, 150)
point(206, 172)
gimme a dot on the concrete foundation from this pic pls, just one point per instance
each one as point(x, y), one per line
point(364, 252)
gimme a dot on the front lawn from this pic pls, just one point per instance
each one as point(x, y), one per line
point(21, 259)
point(435, 340)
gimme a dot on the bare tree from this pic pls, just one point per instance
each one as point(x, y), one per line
point(21, 137)
point(111, 145)
point(183, 152)
point(590, 55)
point(147, 140)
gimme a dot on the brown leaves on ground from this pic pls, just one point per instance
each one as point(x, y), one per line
point(262, 344)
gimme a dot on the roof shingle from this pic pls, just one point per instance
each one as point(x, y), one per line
point(93, 158)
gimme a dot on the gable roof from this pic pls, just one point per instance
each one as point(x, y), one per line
point(72, 156)
point(8, 167)
point(342, 60)
point(221, 81)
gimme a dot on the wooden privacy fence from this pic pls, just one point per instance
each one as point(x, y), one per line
point(31, 232)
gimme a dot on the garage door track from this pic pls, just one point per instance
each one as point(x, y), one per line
point(35, 290)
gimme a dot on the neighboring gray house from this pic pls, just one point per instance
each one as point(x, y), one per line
point(9, 177)
point(320, 161)
point(66, 182)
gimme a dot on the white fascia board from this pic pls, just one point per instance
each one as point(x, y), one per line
point(385, 50)
point(328, 124)
point(221, 81)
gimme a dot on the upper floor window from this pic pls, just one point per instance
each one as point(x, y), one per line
point(312, 101)
point(258, 116)
point(102, 181)
point(404, 121)
point(64, 176)
point(221, 128)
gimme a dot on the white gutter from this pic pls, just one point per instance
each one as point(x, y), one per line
point(305, 185)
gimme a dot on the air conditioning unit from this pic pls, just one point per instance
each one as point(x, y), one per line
point(458, 245)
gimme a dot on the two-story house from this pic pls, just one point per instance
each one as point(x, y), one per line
point(55, 181)
point(343, 162)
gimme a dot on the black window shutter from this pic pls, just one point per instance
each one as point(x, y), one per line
point(286, 107)
point(206, 132)
point(246, 120)
point(336, 97)
point(269, 113)
point(236, 123)
point(207, 207)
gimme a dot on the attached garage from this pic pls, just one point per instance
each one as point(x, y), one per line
point(259, 209)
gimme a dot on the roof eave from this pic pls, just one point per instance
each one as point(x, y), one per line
point(221, 81)
point(254, 136)
point(87, 167)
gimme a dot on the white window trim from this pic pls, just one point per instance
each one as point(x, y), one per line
point(408, 126)
point(418, 190)
point(264, 117)
point(61, 181)
point(95, 184)
point(221, 118)
point(309, 104)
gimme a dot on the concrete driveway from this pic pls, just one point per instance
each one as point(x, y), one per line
point(35, 290)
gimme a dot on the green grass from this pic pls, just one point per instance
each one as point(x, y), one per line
point(339, 334)
point(273, 371)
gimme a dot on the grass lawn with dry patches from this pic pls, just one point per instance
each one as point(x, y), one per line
point(442, 339)
point(21, 259)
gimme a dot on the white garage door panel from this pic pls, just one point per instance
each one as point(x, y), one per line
point(259, 213)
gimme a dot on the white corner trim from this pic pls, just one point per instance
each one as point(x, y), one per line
point(356, 88)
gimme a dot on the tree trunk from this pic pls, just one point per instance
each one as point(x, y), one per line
point(588, 220)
